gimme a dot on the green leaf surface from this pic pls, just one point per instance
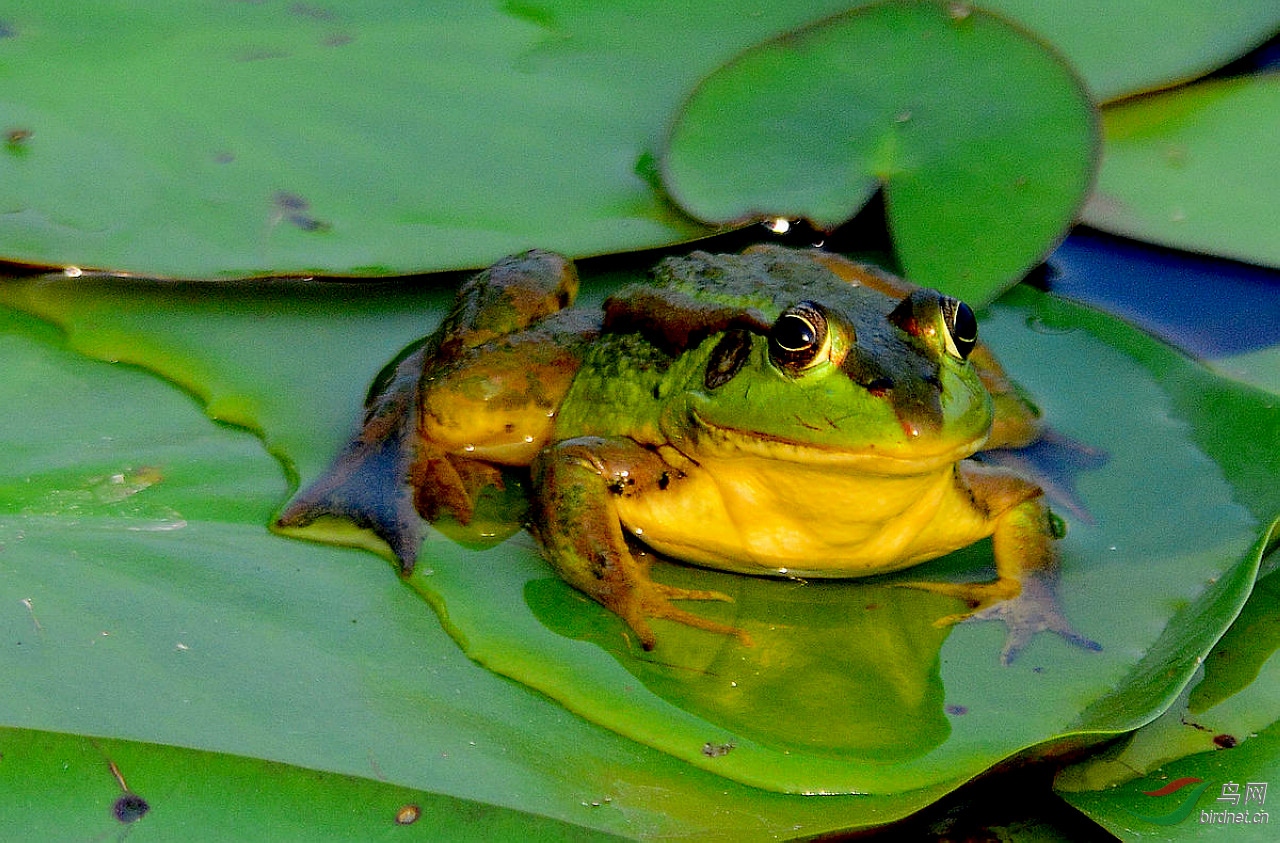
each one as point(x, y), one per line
point(981, 138)
point(1177, 40)
point(1191, 168)
point(907, 718)
point(1223, 729)
point(52, 783)
point(235, 139)
point(232, 139)
point(144, 600)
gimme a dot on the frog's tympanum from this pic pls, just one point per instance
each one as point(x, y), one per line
point(779, 412)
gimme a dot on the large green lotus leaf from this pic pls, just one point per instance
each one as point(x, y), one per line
point(52, 783)
point(1223, 729)
point(1176, 39)
point(898, 704)
point(144, 600)
point(237, 138)
point(1191, 168)
point(1260, 368)
point(982, 139)
point(225, 138)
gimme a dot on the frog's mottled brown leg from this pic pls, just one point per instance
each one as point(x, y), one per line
point(368, 482)
point(1024, 594)
point(576, 521)
point(514, 293)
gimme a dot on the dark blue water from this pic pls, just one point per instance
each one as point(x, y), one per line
point(1209, 307)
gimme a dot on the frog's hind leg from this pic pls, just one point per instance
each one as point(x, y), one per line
point(508, 297)
point(368, 483)
point(1024, 595)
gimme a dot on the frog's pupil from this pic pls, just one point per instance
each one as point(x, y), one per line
point(796, 333)
point(962, 325)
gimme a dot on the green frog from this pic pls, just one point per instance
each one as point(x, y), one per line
point(780, 412)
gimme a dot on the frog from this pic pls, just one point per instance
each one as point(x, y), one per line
point(777, 412)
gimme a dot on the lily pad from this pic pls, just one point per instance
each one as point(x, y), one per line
point(945, 708)
point(103, 789)
point(239, 139)
point(145, 601)
point(1208, 754)
point(981, 137)
point(1178, 40)
point(1187, 169)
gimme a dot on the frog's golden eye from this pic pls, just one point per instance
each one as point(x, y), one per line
point(799, 337)
point(962, 327)
point(926, 314)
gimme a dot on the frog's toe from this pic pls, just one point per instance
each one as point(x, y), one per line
point(1025, 608)
point(655, 602)
point(1025, 617)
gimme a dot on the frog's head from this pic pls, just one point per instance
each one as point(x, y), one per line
point(858, 379)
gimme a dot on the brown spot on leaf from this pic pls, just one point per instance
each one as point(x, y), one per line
point(408, 815)
point(16, 139)
point(308, 10)
point(1224, 741)
point(716, 750)
point(130, 808)
point(296, 209)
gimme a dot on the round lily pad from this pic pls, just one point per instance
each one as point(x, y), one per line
point(850, 687)
point(982, 139)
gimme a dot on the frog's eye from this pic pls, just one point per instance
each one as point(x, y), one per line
point(920, 313)
point(799, 336)
point(962, 327)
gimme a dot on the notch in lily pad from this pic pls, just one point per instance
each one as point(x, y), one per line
point(983, 140)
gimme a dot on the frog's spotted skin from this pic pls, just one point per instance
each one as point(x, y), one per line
point(777, 412)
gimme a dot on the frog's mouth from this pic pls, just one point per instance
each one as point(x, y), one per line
point(922, 457)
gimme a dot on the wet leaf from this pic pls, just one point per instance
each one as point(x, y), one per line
point(907, 710)
point(1186, 169)
point(234, 138)
point(1170, 776)
point(59, 786)
point(1177, 40)
point(980, 137)
point(145, 600)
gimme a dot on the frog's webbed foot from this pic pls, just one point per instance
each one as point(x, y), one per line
point(576, 521)
point(368, 483)
point(1024, 594)
point(649, 599)
point(1025, 608)
point(366, 486)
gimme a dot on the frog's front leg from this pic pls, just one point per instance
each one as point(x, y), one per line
point(576, 483)
point(1024, 594)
